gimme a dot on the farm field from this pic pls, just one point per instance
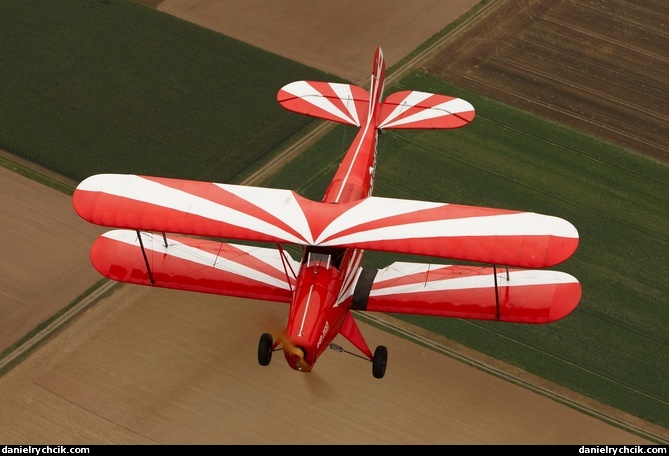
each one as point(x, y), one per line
point(597, 66)
point(87, 369)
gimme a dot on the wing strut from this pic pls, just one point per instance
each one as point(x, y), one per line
point(146, 260)
point(494, 273)
point(286, 266)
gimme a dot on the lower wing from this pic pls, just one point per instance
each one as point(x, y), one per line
point(471, 292)
point(192, 264)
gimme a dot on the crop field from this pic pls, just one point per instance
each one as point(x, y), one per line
point(572, 110)
point(171, 106)
point(598, 66)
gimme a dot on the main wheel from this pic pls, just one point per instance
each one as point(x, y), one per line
point(380, 361)
point(265, 349)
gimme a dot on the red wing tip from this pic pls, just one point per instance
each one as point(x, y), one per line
point(568, 305)
point(83, 202)
point(560, 250)
point(467, 116)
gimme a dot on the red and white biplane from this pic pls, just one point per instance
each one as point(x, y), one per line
point(329, 281)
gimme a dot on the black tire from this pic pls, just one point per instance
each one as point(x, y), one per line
point(380, 361)
point(265, 349)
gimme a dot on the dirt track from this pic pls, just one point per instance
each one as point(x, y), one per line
point(158, 366)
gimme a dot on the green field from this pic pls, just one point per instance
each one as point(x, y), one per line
point(91, 86)
point(111, 86)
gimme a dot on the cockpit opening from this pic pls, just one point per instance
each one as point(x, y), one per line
point(323, 256)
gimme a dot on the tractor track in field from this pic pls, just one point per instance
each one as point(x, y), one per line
point(572, 114)
point(580, 117)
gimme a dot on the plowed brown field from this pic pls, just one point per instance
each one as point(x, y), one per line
point(597, 65)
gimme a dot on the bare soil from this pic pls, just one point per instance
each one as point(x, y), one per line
point(336, 37)
point(598, 66)
point(160, 366)
point(44, 261)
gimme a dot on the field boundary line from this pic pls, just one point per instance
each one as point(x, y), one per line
point(25, 347)
point(399, 328)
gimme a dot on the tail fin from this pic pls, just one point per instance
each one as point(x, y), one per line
point(377, 86)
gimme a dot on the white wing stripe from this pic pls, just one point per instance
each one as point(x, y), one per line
point(304, 91)
point(135, 187)
point(411, 100)
point(195, 255)
point(401, 269)
point(444, 109)
point(516, 279)
point(280, 203)
point(344, 93)
point(372, 209)
point(517, 224)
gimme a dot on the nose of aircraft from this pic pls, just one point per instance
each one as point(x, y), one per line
point(295, 355)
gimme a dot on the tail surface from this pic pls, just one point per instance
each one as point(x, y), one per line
point(376, 88)
point(353, 105)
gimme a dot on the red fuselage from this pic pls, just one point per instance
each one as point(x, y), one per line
point(324, 286)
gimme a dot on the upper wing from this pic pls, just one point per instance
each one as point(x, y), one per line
point(343, 103)
point(194, 265)
point(483, 293)
point(422, 110)
point(471, 233)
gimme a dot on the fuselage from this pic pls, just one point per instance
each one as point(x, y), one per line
point(325, 281)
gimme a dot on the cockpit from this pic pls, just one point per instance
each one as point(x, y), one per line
point(315, 259)
point(325, 257)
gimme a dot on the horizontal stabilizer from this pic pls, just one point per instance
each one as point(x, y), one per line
point(349, 104)
point(421, 110)
point(472, 292)
point(470, 233)
point(194, 265)
point(343, 103)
